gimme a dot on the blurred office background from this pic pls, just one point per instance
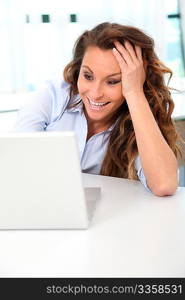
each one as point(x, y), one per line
point(37, 37)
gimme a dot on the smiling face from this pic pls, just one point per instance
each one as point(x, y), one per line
point(99, 85)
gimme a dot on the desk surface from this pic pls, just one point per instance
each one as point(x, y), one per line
point(133, 234)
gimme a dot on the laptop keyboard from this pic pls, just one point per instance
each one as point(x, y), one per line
point(92, 195)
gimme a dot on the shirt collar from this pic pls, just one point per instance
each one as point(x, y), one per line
point(78, 107)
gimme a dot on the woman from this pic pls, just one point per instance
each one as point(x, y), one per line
point(115, 98)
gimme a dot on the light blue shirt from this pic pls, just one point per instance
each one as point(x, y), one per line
point(47, 109)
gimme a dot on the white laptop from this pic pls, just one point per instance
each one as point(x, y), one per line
point(41, 182)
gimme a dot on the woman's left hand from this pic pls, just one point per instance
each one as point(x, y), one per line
point(132, 68)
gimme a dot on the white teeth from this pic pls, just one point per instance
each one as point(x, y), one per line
point(97, 103)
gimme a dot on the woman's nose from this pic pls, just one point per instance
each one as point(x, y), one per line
point(96, 92)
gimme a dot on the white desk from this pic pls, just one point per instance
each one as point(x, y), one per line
point(133, 234)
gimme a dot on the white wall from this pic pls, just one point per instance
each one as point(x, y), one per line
point(32, 53)
point(182, 12)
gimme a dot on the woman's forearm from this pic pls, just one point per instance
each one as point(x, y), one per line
point(158, 160)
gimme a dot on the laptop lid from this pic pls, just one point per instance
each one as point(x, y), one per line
point(41, 181)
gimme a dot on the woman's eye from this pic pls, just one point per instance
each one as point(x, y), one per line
point(87, 76)
point(113, 81)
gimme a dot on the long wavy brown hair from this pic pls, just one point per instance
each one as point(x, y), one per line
point(122, 148)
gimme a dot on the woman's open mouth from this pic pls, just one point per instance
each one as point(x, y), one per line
point(97, 105)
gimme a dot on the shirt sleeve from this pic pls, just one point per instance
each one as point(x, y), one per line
point(35, 113)
point(140, 173)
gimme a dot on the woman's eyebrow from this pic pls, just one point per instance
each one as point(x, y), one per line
point(84, 66)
